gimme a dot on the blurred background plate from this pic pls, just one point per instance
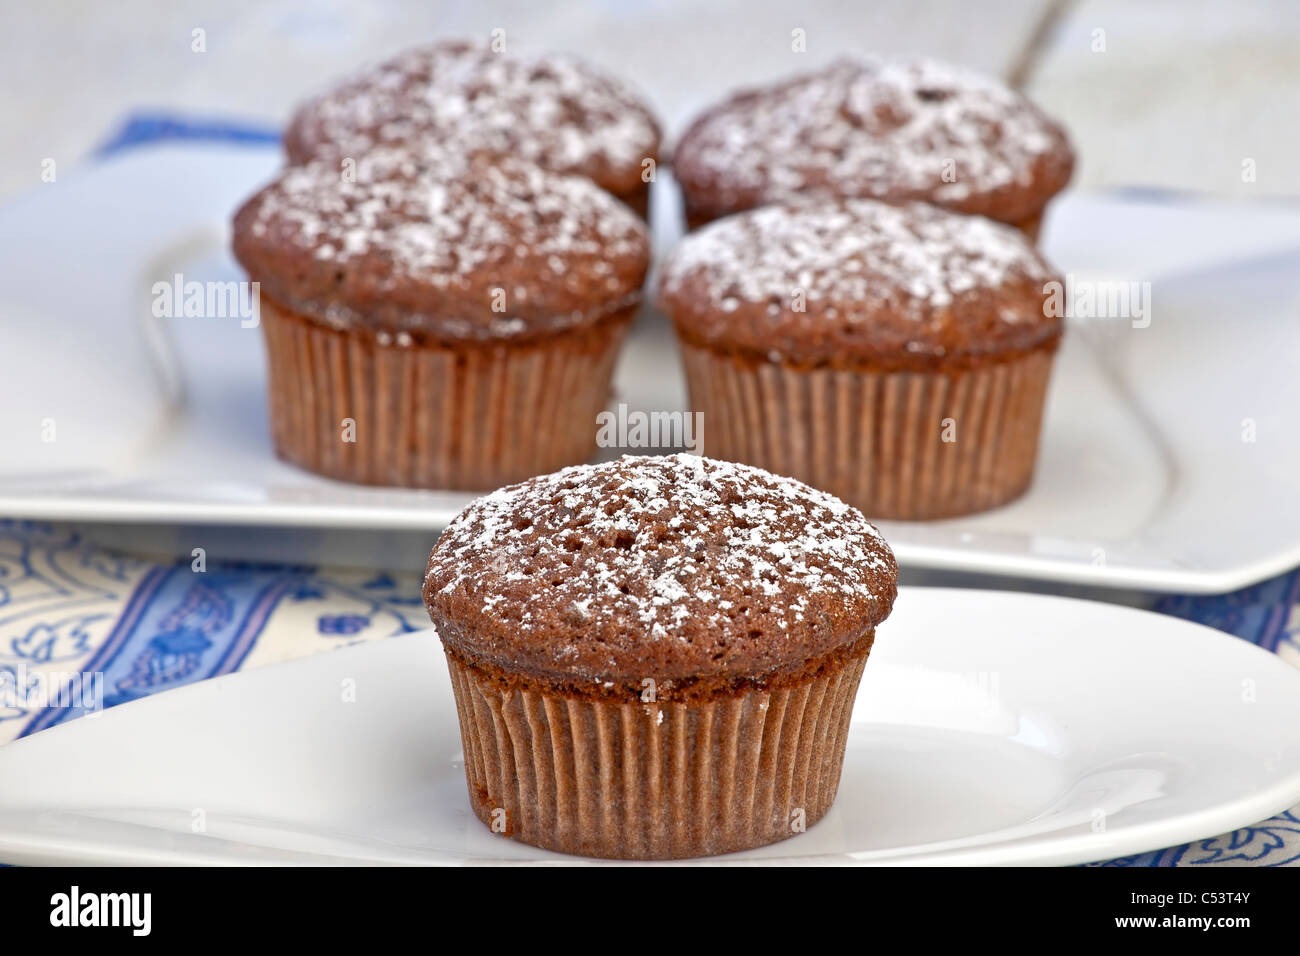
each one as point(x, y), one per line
point(1167, 461)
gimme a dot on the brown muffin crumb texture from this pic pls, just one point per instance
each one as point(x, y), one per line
point(444, 246)
point(556, 111)
point(702, 576)
point(892, 130)
point(859, 282)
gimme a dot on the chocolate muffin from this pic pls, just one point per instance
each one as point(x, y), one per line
point(896, 356)
point(656, 657)
point(876, 129)
point(554, 111)
point(441, 321)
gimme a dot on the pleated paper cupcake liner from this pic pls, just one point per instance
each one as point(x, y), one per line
point(654, 780)
point(908, 445)
point(476, 416)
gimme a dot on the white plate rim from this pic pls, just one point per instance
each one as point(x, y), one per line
point(1148, 836)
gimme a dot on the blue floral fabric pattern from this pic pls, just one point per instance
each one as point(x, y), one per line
point(69, 610)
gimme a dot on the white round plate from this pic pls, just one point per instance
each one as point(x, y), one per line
point(991, 728)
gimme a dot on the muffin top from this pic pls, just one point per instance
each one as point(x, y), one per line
point(555, 111)
point(893, 130)
point(446, 246)
point(699, 575)
point(855, 280)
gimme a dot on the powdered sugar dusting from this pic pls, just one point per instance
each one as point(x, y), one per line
point(914, 129)
point(451, 226)
point(662, 547)
point(555, 111)
point(861, 255)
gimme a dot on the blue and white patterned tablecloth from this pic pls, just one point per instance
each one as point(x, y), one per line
point(67, 606)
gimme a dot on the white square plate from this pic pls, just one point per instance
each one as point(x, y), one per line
point(1168, 458)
